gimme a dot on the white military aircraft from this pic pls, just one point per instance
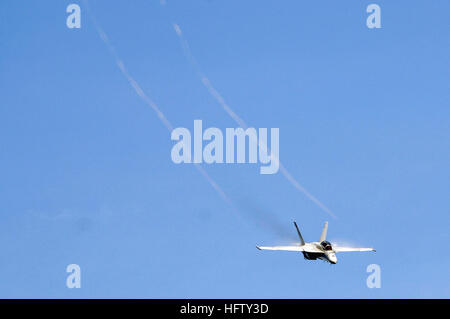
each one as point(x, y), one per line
point(318, 249)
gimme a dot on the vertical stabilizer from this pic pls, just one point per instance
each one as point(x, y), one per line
point(302, 242)
point(324, 232)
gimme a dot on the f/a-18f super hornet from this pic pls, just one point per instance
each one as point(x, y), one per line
point(318, 249)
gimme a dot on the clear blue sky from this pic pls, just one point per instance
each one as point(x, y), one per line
point(86, 175)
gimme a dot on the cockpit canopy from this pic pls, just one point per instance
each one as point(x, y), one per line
point(326, 245)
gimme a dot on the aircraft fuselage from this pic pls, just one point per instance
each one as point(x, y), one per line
point(326, 255)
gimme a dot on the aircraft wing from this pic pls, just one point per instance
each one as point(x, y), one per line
point(345, 249)
point(307, 248)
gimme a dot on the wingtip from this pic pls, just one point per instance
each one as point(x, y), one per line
point(257, 247)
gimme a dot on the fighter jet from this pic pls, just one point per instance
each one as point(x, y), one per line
point(321, 249)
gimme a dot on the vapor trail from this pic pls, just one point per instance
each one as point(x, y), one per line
point(218, 97)
point(137, 88)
